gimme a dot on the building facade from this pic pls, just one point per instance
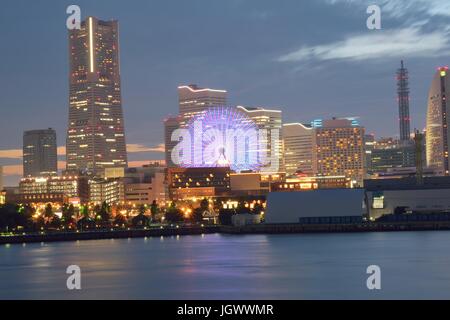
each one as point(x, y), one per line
point(68, 189)
point(438, 133)
point(95, 135)
point(170, 125)
point(297, 146)
point(40, 153)
point(194, 100)
point(270, 121)
point(187, 183)
point(111, 191)
point(338, 149)
point(403, 103)
point(393, 154)
point(390, 196)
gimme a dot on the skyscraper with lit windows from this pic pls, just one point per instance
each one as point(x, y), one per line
point(438, 133)
point(297, 146)
point(270, 121)
point(338, 149)
point(194, 100)
point(39, 153)
point(95, 135)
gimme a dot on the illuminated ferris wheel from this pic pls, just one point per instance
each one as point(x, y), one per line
point(224, 137)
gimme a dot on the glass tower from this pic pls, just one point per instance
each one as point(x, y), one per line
point(95, 135)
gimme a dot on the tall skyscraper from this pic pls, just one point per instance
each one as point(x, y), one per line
point(438, 133)
point(338, 149)
point(297, 146)
point(194, 100)
point(39, 153)
point(95, 135)
point(271, 121)
point(403, 103)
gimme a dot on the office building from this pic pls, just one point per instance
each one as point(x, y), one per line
point(40, 153)
point(271, 153)
point(95, 135)
point(194, 100)
point(111, 191)
point(130, 187)
point(438, 133)
point(369, 144)
point(170, 125)
point(297, 146)
point(58, 189)
point(389, 153)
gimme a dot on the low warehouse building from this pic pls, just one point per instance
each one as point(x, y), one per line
point(316, 207)
point(388, 196)
point(381, 197)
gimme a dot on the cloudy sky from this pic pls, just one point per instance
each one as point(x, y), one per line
point(311, 58)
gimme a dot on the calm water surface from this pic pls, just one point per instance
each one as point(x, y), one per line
point(306, 266)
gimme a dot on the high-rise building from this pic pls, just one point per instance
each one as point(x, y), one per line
point(95, 135)
point(403, 103)
point(297, 146)
point(1, 179)
point(170, 125)
point(39, 153)
point(369, 144)
point(194, 100)
point(438, 133)
point(338, 149)
point(271, 122)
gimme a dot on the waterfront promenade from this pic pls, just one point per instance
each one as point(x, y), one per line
point(209, 229)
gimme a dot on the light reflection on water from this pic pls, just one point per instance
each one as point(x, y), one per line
point(314, 266)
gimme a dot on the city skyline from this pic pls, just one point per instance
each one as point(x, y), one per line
point(146, 131)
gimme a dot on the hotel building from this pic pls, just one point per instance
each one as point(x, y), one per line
point(338, 149)
point(95, 135)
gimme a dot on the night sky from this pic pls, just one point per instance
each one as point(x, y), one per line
point(312, 59)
